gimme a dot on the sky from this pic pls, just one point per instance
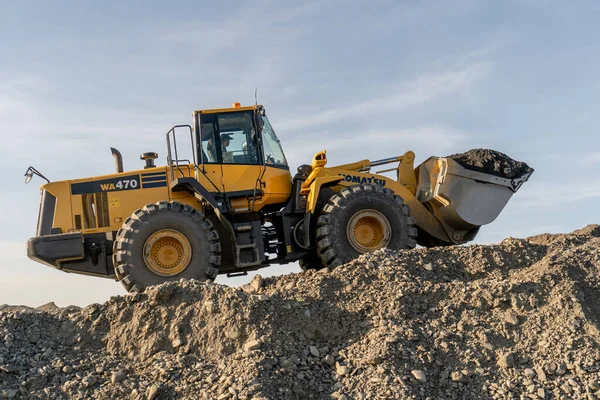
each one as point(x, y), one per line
point(361, 79)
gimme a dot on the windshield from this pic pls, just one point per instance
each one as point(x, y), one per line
point(272, 148)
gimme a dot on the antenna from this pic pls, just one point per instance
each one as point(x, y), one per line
point(255, 96)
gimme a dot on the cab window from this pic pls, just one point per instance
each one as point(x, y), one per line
point(209, 150)
point(229, 138)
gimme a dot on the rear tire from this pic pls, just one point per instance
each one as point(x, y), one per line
point(361, 219)
point(165, 242)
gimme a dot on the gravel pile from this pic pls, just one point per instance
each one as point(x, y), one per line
point(514, 320)
point(492, 162)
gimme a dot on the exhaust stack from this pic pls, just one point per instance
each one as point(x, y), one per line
point(118, 159)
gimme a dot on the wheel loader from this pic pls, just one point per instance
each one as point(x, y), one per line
point(235, 207)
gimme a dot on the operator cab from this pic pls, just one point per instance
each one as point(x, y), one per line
point(237, 135)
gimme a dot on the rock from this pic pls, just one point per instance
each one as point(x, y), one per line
point(419, 375)
point(561, 368)
point(233, 333)
point(257, 283)
point(9, 368)
point(457, 377)
point(573, 383)
point(118, 376)
point(550, 368)
point(506, 360)
point(152, 392)
point(48, 307)
point(340, 369)
point(329, 360)
point(529, 373)
point(314, 351)
point(251, 345)
point(286, 363)
point(89, 381)
point(541, 375)
point(524, 360)
point(210, 307)
point(511, 318)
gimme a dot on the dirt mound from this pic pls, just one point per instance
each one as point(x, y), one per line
point(516, 319)
point(492, 162)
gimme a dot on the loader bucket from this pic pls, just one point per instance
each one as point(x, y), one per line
point(463, 199)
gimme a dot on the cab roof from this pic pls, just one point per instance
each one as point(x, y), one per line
point(224, 110)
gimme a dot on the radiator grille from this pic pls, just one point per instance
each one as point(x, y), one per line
point(78, 221)
point(102, 210)
point(89, 211)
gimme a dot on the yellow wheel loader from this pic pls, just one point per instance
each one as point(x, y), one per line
point(235, 207)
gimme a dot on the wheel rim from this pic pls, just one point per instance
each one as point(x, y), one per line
point(167, 252)
point(368, 230)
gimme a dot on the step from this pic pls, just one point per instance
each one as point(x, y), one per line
point(246, 246)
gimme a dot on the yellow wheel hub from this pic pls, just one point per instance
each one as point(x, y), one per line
point(368, 230)
point(167, 252)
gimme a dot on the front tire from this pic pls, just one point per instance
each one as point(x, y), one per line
point(311, 261)
point(361, 219)
point(164, 242)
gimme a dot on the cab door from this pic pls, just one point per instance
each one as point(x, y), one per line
point(229, 143)
point(209, 170)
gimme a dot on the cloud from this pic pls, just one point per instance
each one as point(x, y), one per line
point(425, 141)
point(421, 90)
point(587, 159)
point(242, 25)
point(386, 134)
point(580, 159)
point(35, 130)
point(550, 195)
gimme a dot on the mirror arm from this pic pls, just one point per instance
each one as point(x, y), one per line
point(31, 171)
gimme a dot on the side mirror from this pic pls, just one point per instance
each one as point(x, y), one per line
point(32, 171)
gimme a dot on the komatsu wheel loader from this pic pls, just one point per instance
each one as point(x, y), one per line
point(235, 207)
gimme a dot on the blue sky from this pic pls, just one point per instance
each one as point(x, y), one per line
point(362, 79)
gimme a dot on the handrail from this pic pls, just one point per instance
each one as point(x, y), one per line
point(176, 161)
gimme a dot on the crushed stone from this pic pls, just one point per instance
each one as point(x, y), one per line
point(492, 162)
point(519, 319)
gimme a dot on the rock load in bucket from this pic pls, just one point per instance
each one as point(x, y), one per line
point(492, 162)
point(515, 320)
